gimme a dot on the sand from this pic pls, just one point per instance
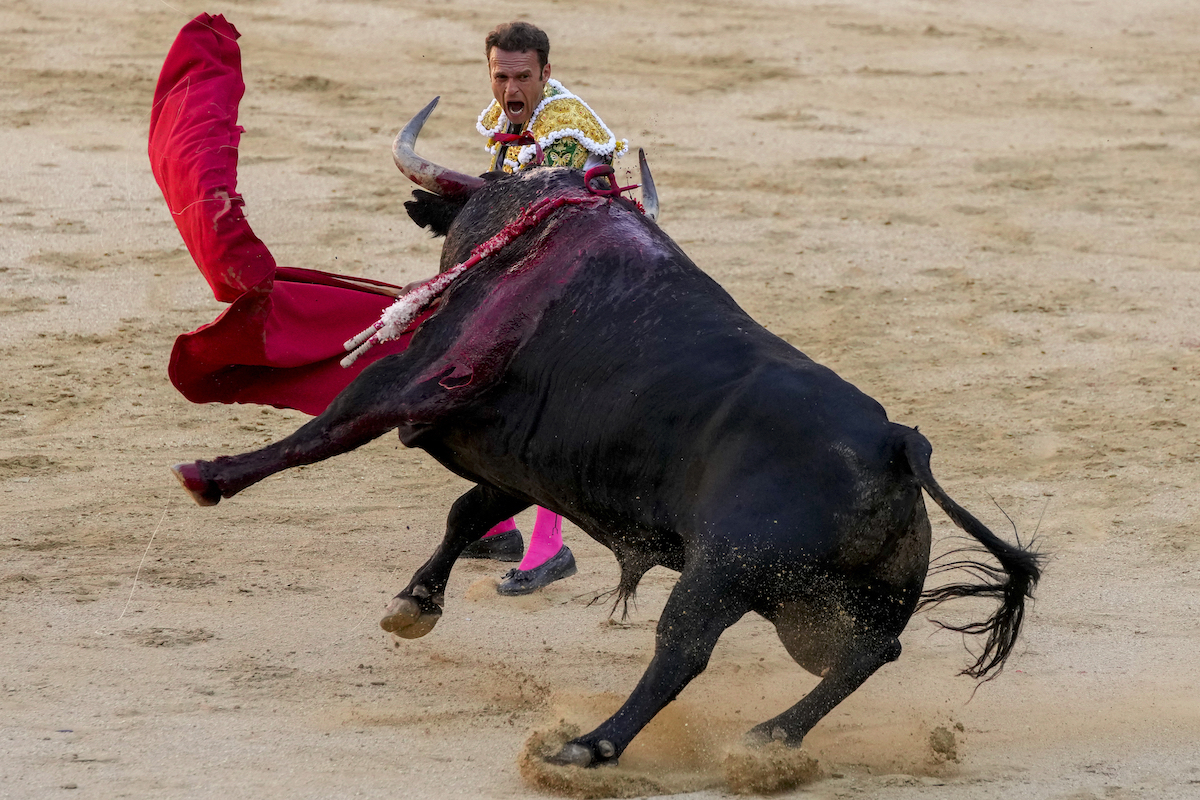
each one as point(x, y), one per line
point(983, 214)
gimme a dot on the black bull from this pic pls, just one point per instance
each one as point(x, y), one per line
point(592, 369)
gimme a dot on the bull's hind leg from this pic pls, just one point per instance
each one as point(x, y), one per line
point(702, 605)
point(855, 659)
point(845, 632)
point(415, 611)
point(365, 410)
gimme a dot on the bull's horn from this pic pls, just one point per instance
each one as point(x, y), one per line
point(649, 195)
point(426, 174)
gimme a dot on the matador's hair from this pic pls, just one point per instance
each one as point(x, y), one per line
point(518, 37)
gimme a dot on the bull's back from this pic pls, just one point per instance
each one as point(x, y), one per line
point(666, 399)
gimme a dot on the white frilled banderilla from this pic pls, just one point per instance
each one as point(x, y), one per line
point(397, 318)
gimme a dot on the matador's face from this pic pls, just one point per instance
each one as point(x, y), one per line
point(517, 82)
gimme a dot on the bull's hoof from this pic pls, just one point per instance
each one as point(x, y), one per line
point(572, 754)
point(407, 619)
point(204, 492)
point(579, 754)
point(764, 734)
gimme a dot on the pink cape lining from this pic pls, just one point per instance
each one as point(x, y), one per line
point(280, 341)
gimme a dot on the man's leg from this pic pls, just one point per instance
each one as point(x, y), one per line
point(547, 560)
point(502, 543)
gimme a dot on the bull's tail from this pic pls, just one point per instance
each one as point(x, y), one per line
point(1020, 568)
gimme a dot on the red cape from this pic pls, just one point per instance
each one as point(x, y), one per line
point(280, 340)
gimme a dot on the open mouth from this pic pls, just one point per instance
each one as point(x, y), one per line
point(515, 108)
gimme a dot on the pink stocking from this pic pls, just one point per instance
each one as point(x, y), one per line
point(509, 524)
point(545, 541)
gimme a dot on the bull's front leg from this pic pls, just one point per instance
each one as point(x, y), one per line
point(415, 611)
point(365, 410)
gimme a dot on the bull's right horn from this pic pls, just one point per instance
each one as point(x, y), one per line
point(649, 195)
point(426, 174)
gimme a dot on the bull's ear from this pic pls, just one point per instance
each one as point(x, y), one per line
point(432, 211)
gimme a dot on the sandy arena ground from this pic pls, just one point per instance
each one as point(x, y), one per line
point(985, 214)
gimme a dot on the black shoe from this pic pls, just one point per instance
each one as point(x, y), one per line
point(523, 581)
point(507, 546)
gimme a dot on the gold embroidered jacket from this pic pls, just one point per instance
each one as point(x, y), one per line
point(565, 126)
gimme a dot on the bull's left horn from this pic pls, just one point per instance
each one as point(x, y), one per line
point(649, 195)
point(426, 174)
